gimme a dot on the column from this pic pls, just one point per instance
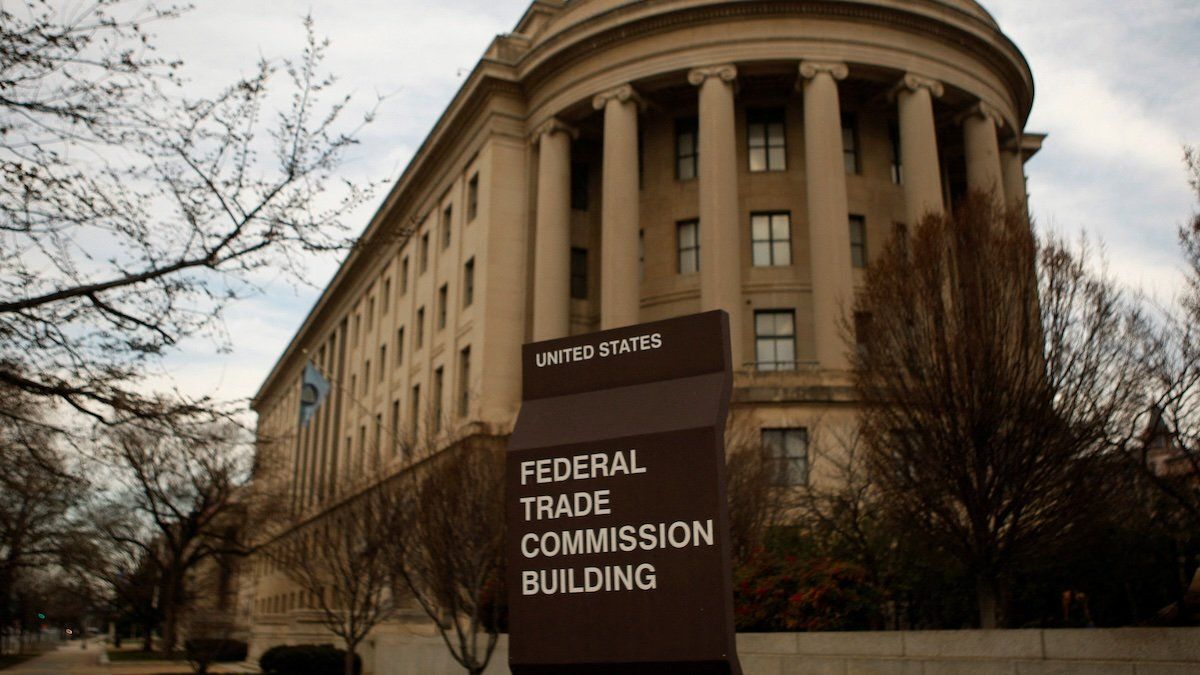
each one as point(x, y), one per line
point(720, 231)
point(1013, 165)
point(982, 150)
point(620, 295)
point(552, 248)
point(918, 146)
point(828, 211)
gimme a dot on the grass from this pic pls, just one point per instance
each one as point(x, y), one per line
point(10, 660)
point(118, 656)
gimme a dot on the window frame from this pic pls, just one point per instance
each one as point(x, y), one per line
point(858, 241)
point(774, 339)
point(469, 282)
point(785, 457)
point(852, 155)
point(770, 243)
point(690, 154)
point(692, 251)
point(765, 118)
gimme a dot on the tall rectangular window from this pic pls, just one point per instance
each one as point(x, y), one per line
point(687, 244)
point(469, 282)
point(767, 140)
point(414, 412)
point(862, 331)
point(446, 217)
point(382, 361)
point(579, 273)
point(579, 186)
point(850, 151)
point(394, 428)
point(366, 376)
point(423, 254)
point(771, 239)
point(385, 299)
point(897, 166)
point(788, 449)
point(400, 346)
point(443, 300)
point(687, 148)
point(641, 255)
point(472, 198)
point(419, 338)
point(371, 314)
point(858, 241)
point(403, 276)
point(775, 339)
point(435, 410)
point(378, 437)
point(464, 381)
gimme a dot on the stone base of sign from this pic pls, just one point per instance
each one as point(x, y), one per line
point(1122, 651)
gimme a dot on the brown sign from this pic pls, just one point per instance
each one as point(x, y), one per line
point(618, 535)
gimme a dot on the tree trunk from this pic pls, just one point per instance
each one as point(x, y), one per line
point(148, 637)
point(348, 668)
point(986, 596)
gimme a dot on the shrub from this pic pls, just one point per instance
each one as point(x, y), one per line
point(306, 660)
point(784, 593)
point(215, 650)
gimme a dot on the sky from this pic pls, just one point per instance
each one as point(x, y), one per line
point(1117, 93)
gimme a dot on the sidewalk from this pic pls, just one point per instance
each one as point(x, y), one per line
point(68, 659)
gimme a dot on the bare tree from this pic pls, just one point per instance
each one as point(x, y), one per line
point(995, 374)
point(451, 559)
point(180, 500)
point(37, 493)
point(132, 213)
point(1177, 383)
point(342, 562)
point(757, 502)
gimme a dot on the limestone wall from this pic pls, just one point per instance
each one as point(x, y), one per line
point(1124, 651)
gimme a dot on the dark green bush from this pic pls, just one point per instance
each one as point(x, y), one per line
point(774, 592)
point(306, 660)
point(214, 650)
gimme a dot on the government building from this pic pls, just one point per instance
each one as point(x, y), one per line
point(612, 162)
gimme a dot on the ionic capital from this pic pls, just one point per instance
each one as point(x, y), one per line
point(554, 126)
point(622, 94)
point(836, 69)
point(983, 110)
point(913, 83)
point(727, 72)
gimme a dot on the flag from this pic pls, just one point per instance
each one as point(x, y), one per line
point(313, 390)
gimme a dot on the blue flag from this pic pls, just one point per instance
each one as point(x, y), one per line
point(313, 390)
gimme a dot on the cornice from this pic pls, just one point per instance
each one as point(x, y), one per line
point(559, 51)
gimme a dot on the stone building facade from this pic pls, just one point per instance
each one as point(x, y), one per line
point(610, 162)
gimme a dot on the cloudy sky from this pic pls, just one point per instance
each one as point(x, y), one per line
point(1117, 92)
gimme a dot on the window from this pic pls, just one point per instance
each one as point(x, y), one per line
point(378, 436)
point(387, 295)
point(897, 166)
point(446, 216)
point(900, 233)
point(395, 425)
point(382, 361)
point(472, 198)
point(775, 339)
point(362, 446)
point(579, 186)
point(419, 338)
point(400, 346)
point(771, 239)
point(443, 294)
point(641, 255)
point(357, 327)
point(579, 273)
point(858, 241)
point(353, 385)
point(768, 144)
point(469, 282)
point(424, 253)
point(404, 276)
point(435, 411)
point(371, 314)
point(464, 381)
point(687, 238)
point(862, 330)
point(414, 415)
point(850, 143)
point(789, 450)
point(366, 376)
point(687, 148)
